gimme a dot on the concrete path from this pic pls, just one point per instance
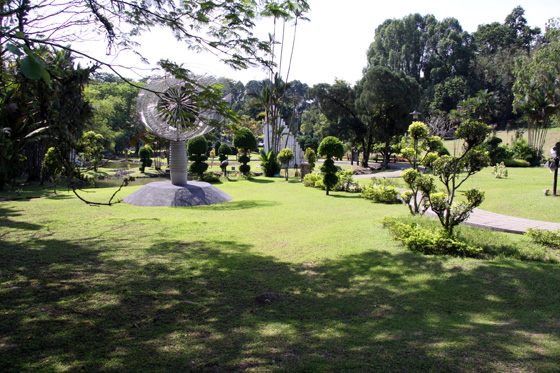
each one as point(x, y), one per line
point(485, 219)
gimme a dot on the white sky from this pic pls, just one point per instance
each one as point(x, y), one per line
point(333, 44)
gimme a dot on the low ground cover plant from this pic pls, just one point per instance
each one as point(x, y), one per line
point(545, 237)
point(429, 241)
point(381, 190)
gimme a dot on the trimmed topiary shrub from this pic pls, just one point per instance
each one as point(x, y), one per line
point(196, 149)
point(245, 140)
point(311, 158)
point(223, 152)
point(330, 147)
point(285, 156)
point(145, 153)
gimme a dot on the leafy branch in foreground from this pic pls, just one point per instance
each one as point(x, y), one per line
point(222, 28)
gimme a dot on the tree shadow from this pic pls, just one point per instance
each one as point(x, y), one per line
point(28, 193)
point(6, 222)
point(183, 305)
point(238, 205)
point(260, 180)
point(345, 195)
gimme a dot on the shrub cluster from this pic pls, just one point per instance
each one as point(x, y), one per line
point(346, 182)
point(381, 193)
point(518, 154)
point(516, 163)
point(269, 163)
point(429, 242)
point(211, 177)
point(545, 237)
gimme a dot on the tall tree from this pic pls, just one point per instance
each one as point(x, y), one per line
point(57, 111)
point(337, 103)
point(497, 47)
point(537, 88)
point(400, 44)
point(430, 51)
point(384, 100)
point(115, 115)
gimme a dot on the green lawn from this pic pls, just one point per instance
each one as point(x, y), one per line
point(520, 194)
point(172, 289)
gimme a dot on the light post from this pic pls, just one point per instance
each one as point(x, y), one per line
point(415, 115)
point(554, 152)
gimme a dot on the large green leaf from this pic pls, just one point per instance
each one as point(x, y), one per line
point(31, 69)
point(14, 49)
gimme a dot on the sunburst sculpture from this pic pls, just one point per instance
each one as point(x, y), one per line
point(169, 108)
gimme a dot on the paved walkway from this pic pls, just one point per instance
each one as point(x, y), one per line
point(485, 219)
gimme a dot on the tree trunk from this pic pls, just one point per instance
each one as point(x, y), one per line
point(387, 155)
point(366, 146)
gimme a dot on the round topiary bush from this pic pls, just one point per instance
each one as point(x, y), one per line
point(285, 156)
point(145, 153)
point(330, 147)
point(224, 151)
point(245, 140)
point(197, 148)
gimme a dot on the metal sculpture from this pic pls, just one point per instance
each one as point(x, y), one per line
point(169, 109)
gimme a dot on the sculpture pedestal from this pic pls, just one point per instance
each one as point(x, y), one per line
point(178, 163)
point(164, 193)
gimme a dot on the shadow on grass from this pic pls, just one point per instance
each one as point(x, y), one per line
point(6, 222)
point(345, 195)
point(260, 180)
point(190, 306)
point(28, 193)
point(238, 205)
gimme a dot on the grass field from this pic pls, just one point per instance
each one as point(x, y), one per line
point(552, 137)
point(520, 194)
point(173, 289)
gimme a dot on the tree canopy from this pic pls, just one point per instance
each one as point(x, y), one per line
point(225, 28)
point(385, 99)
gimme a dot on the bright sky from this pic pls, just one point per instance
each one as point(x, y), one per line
point(333, 44)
